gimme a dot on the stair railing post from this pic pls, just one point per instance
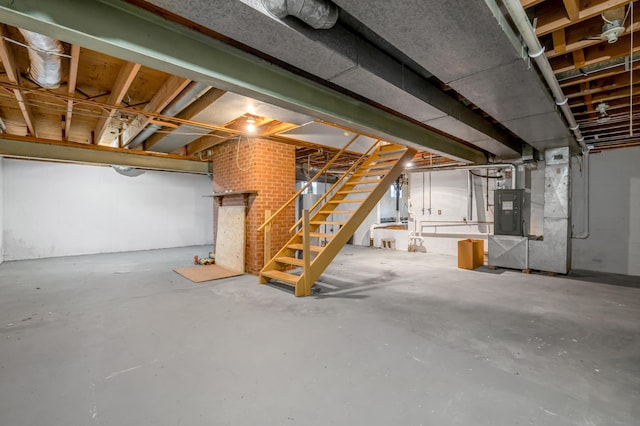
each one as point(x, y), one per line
point(267, 238)
point(306, 253)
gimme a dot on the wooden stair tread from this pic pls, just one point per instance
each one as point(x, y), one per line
point(324, 222)
point(316, 249)
point(281, 276)
point(361, 182)
point(391, 147)
point(320, 235)
point(355, 191)
point(336, 211)
point(380, 164)
point(374, 173)
point(288, 260)
point(345, 201)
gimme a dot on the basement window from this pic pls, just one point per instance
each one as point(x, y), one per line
point(395, 193)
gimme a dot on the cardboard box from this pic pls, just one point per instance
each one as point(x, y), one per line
point(470, 254)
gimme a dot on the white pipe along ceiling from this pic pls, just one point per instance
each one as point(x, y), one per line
point(536, 52)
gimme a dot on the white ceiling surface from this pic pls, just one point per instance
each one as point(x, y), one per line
point(227, 108)
point(326, 135)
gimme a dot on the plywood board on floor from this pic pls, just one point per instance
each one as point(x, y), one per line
point(230, 237)
point(202, 273)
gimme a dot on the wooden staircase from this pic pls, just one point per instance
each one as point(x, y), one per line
point(335, 217)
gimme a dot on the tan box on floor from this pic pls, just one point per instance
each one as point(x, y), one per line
point(470, 254)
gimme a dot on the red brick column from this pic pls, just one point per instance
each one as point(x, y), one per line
point(267, 167)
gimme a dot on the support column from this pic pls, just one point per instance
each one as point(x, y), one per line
point(267, 167)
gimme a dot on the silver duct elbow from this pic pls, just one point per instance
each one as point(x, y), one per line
point(318, 14)
point(45, 66)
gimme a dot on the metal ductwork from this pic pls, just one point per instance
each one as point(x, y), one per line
point(192, 92)
point(45, 66)
point(127, 171)
point(318, 14)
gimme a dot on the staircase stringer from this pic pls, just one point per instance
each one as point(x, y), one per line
point(324, 258)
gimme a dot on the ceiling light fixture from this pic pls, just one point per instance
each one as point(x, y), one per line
point(601, 109)
point(251, 124)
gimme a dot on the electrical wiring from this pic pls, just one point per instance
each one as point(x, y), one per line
point(238, 154)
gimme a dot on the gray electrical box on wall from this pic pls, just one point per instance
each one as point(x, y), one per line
point(509, 209)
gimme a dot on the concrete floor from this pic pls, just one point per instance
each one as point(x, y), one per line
point(393, 338)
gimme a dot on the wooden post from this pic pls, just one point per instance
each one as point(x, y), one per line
point(306, 254)
point(267, 238)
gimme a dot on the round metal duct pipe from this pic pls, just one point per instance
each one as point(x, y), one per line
point(318, 14)
point(44, 59)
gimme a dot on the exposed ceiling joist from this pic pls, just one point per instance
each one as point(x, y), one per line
point(125, 77)
point(594, 55)
point(267, 129)
point(599, 75)
point(555, 16)
point(573, 9)
point(71, 87)
point(614, 82)
point(586, 34)
point(167, 92)
point(196, 107)
point(8, 61)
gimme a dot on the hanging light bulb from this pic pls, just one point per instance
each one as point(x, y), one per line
point(251, 124)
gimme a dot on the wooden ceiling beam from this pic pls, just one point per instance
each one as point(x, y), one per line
point(125, 77)
point(555, 17)
point(11, 70)
point(573, 9)
point(578, 58)
point(265, 127)
point(606, 97)
point(530, 3)
point(71, 87)
point(595, 54)
point(559, 41)
point(616, 106)
point(607, 128)
point(585, 34)
point(618, 82)
point(165, 94)
point(132, 110)
point(598, 75)
point(188, 113)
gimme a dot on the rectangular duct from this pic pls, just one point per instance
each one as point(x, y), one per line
point(553, 252)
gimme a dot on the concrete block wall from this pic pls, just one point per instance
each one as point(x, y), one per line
point(269, 168)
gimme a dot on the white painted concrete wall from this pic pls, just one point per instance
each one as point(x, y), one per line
point(614, 213)
point(442, 213)
point(440, 204)
point(55, 209)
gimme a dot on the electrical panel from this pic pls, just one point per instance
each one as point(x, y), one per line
point(508, 215)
